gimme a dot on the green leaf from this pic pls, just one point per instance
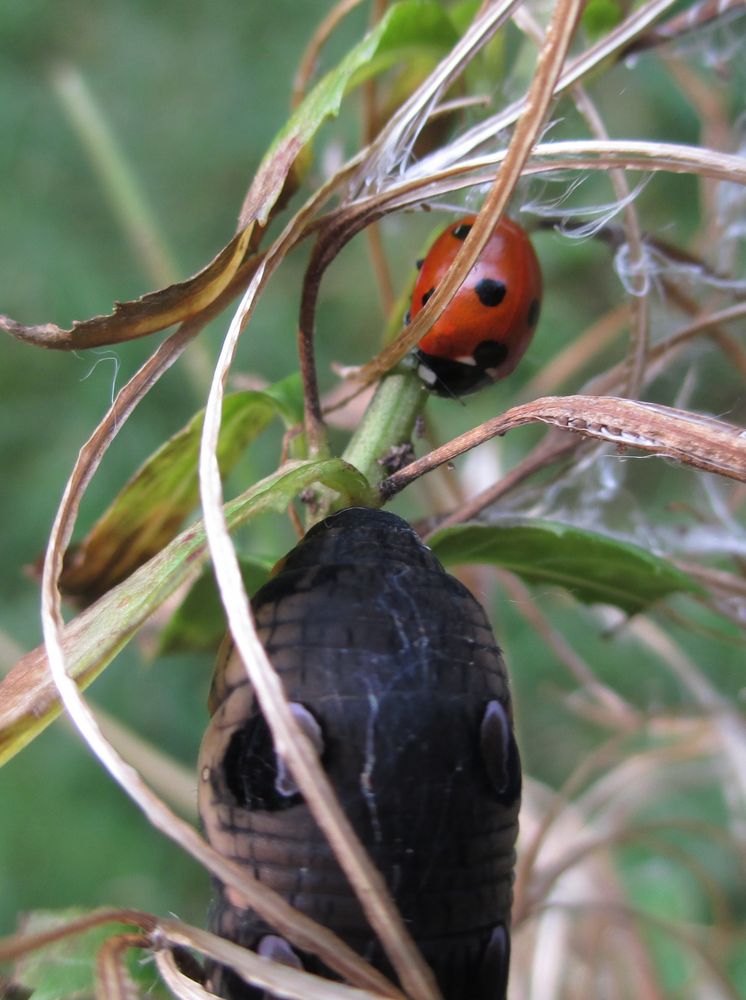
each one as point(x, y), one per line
point(28, 697)
point(596, 569)
point(150, 509)
point(66, 968)
point(199, 622)
point(417, 28)
point(600, 16)
point(463, 13)
point(288, 395)
point(406, 27)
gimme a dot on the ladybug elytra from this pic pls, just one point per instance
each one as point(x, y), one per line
point(485, 330)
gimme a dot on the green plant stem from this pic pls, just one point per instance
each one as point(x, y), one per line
point(387, 423)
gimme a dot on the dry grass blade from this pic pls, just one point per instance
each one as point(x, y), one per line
point(643, 777)
point(398, 133)
point(180, 985)
point(290, 742)
point(637, 155)
point(337, 955)
point(701, 442)
point(552, 810)
point(609, 46)
point(570, 154)
point(302, 931)
point(665, 348)
point(566, 884)
point(169, 777)
point(627, 832)
point(262, 972)
point(688, 21)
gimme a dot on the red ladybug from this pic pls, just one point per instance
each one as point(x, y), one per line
point(484, 332)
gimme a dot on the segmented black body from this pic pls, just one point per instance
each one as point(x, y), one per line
point(393, 670)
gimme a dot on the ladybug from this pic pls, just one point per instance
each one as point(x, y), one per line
point(392, 671)
point(485, 330)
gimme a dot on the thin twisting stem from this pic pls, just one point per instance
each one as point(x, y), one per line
point(329, 244)
point(313, 417)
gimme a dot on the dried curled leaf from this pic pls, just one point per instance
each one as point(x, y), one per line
point(152, 312)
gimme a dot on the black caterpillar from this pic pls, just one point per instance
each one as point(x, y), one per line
point(393, 671)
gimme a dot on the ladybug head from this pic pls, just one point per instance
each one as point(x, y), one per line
point(450, 377)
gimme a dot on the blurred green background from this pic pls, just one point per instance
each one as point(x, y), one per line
point(194, 93)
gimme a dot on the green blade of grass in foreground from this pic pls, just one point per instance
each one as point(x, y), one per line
point(28, 696)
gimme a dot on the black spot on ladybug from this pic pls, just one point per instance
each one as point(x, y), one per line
point(462, 231)
point(533, 312)
point(449, 378)
point(490, 354)
point(427, 295)
point(419, 263)
point(500, 753)
point(490, 292)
